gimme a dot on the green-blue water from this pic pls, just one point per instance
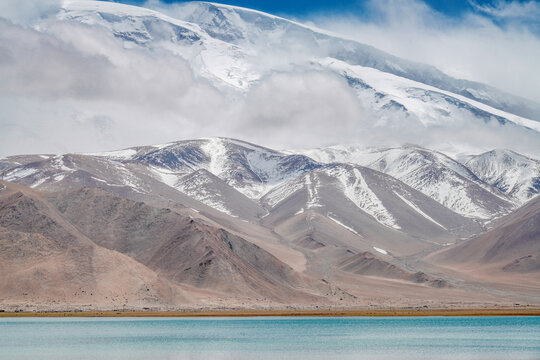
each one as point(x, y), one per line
point(271, 338)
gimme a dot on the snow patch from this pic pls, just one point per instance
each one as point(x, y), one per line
point(165, 176)
point(313, 191)
point(282, 192)
point(19, 173)
point(200, 188)
point(418, 210)
point(58, 163)
point(217, 152)
point(343, 225)
point(126, 154)
point(38, 182)
point(357, 190)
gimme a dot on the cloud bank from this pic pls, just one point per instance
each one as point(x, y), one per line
point(72, 87)
point(497, 44)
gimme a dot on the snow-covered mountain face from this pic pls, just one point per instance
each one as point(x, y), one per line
point(236, 48)
point(408, 190)
point(355, 197)
point(268, 34)
point(508, 171)
point(248, 168)
point(432, 173)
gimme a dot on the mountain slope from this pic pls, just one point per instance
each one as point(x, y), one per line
point(432, 173)
point(45, 260)
point(235, 48)
point(513, 245)
point(184, 250)
point(240, 179)
point(367, 203)
point(508, 171)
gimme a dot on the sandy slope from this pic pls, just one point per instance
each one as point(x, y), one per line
point(90, 249)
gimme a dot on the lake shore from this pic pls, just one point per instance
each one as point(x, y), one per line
point(287, 312)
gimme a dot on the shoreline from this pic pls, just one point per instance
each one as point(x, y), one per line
point(279, 312)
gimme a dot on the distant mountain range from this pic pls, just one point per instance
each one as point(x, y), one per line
point(220, 218)
point(223, 223)
point(228, 46)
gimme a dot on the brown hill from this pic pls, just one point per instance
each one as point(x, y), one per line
point(181, 250)
point(45, 260)
point(513, 245)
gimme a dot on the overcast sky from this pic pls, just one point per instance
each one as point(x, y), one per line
point(74, 88)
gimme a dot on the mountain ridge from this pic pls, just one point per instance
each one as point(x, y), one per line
point(332, 228)
point(212, 17)
point(218, 222)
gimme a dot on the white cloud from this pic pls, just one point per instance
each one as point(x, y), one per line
point(473, 47)
point(28, 11)
point(70, 87)
point(301, 109)
point(511, 10)
point(56, 87)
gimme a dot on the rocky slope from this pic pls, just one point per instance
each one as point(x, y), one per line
point(513, 245)
point(221, 221)
point(512, 173)
point(48, 261)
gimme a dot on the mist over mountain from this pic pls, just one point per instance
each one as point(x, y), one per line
point(90, 75)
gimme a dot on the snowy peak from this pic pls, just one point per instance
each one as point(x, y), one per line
point(249, 168)
point(357, 197)
point(510, 172)
point(218, 21)
point(432, 173)
point(183, 156)
point(444, 180)
point(252, 169)
point(130, 23)
point(235, 47)
point(241, 25)
point(409, 158)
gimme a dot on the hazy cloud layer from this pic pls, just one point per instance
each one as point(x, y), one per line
point(497, 45)
point(28, 11)
point(70, 87)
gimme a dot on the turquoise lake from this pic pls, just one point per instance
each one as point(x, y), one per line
point(271, 338)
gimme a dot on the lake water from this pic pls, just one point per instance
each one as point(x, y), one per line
point(271, 338)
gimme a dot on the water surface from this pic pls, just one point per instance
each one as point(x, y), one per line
point(271, 338)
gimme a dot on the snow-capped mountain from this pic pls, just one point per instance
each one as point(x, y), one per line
point(408, 189)
point(432, 173)
point(236, 47)
point(357, 197)
point(225, 174)
point(508, 171)
point(248, 168)
point(323, 216)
